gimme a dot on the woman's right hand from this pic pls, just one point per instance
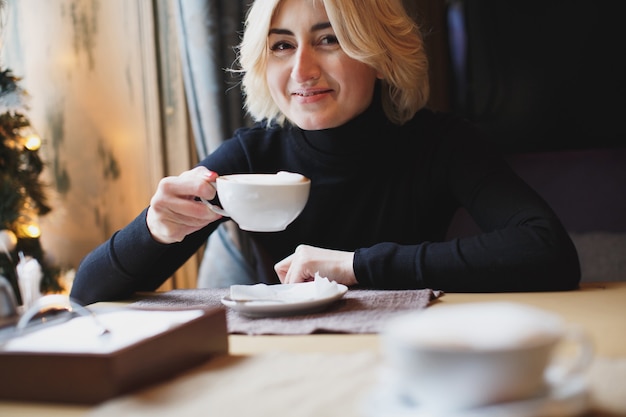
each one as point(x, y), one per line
point(174, 210)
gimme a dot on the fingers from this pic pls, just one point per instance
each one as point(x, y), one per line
point(174, 212)
point(282, 268)
point(298, 267)
point(197, 182)
point(302, 265)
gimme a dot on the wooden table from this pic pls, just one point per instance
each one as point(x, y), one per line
point(599, 308)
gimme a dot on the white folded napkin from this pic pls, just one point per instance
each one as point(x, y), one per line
point(319, 288)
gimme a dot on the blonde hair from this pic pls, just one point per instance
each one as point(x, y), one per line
point(378, 33)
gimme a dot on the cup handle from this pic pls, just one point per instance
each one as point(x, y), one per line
point(565, 366)
point(215, 208)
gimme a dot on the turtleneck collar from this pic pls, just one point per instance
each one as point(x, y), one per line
point(356, 136)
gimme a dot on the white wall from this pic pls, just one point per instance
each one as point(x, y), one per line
point(90, 69)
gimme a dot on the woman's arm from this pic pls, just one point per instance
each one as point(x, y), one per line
point(523, 245)
point(154, 245)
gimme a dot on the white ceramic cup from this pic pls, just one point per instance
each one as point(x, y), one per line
point(262, 202)
point(455, 357)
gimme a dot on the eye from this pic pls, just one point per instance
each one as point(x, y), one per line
point(329, 40)
point(280, 46)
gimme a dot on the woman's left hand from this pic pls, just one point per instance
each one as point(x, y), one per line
point(302, 265)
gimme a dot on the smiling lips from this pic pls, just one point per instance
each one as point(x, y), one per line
point(308, 93)
point(310, 96)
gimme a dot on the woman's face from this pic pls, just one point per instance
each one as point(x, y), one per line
point(311, 79)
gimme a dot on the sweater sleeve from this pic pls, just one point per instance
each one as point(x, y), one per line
point(522, 247)
point(131, 260)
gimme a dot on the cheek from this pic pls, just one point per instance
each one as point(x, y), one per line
point(274, 79)
point(275, 73)
point(361, 82)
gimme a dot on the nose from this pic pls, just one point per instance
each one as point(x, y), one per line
point(305, 66)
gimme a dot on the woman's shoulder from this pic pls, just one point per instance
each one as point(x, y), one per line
point(441, 121)
point(432, 129)
point(447, 134)
point(254, 141)
point(246, 147)
point(261, 131)
point(258, 135)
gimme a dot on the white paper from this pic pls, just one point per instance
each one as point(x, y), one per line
point(319, 288)
point(83, 334)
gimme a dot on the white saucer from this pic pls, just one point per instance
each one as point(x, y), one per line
point(569, 398)
point(277, 308)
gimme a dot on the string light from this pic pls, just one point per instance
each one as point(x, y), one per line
point(32, 142)
point(27, 223)
point(31, 230)
point(28, 138)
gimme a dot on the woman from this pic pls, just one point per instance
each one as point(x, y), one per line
point(338, 88)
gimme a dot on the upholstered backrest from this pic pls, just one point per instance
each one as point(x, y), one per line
point(587, 190)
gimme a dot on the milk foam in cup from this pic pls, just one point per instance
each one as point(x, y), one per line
point(468, 355)
point(262, 202)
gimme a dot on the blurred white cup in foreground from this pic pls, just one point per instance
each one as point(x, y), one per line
point(262, 202)
point(469, 355)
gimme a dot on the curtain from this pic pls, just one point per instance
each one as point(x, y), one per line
point(208, 31)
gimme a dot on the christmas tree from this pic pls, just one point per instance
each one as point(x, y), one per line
point(22, 193)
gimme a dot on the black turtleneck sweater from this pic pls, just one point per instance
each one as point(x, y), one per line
point(384, 191)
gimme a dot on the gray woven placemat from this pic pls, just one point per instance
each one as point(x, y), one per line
point(359, 311)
